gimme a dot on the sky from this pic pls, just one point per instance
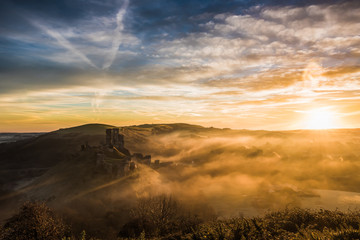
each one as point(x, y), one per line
point(271, 64)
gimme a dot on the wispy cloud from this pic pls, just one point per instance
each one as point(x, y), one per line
point(63, 42)
point(117, 36)
point(94, 36)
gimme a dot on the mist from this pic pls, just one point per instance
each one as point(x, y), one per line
point(250, 172)
point(211, 172)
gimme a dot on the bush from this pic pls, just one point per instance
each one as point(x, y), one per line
point(160, 215)
point(287, 224)
point(35, 221)
point(163, 217)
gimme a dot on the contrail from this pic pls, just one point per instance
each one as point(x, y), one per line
point(63, 42)
point(117, 36)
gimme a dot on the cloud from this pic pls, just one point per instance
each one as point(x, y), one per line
point(262, 42)
point(266, 41)
point(90, 41)
point(237, 63)
point(117, 36)
point(63, 42)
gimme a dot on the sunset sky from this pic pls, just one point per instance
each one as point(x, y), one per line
point(240, 64)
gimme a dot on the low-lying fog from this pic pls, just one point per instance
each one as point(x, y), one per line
point(246, 173)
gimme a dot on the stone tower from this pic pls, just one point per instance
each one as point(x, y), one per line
point(109, 137)
point(118, 139)
point(114, 138)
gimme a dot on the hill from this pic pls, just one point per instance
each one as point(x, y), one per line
point(52, 166)
point(231, 171)
point(32, 157)
point(87, 129)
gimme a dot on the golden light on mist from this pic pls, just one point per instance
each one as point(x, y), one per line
point(321, 119)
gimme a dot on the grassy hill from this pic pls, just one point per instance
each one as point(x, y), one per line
point(31, 157)
point(87, 129)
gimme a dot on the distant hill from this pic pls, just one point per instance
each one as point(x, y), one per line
point(173, 126)
point(91, 129)
point(27, 159)
point(13, 137)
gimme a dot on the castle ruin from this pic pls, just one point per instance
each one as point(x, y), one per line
point(114, 138)
point(115, 159)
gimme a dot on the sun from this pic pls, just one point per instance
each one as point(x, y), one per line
point(321, 119)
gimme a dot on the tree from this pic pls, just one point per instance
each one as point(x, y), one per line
point(160, 215)
point(35, 221)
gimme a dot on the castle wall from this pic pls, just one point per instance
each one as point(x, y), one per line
point(109, 137)
point(114, 138)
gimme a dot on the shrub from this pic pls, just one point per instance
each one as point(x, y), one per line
point(160, 215)
point(35, 221)
point(293, 223)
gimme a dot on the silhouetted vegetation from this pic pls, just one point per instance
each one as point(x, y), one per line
point(287, 224)
point(163, 217)
point(35, 221)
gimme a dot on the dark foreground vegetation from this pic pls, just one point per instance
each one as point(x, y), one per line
point(162, 217)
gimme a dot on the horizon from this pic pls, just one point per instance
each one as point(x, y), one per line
point(256, 65)
point(225, 128)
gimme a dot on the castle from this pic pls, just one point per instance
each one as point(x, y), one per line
point(115, 142)
point(115, 159)
point(114, 138)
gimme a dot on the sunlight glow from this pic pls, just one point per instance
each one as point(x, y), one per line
point(321, 119)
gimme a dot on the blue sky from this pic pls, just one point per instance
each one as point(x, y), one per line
point(210, 62)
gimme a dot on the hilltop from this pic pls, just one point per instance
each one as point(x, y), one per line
point(90, 129)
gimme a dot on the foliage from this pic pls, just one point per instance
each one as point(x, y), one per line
point(163, 217)
point(292, 223)
point(160, 215)
point(34, 221)
point(287, 224)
